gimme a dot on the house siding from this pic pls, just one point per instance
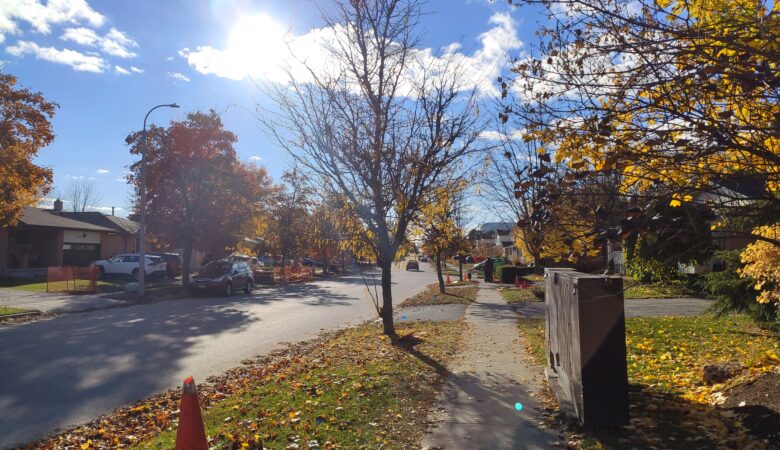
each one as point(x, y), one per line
point(3, 250)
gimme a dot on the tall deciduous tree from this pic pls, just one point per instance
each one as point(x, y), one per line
point(381, 124)
point(24, 130)
point(199, 196)
point(441, 225)
point(82, 194)
point(290, 215)
point(679, 97)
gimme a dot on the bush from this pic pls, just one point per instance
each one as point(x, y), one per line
point(647, 269)
point(507, 273)
point(733, 293)
point(538, 291)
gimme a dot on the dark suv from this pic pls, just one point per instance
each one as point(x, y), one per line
point(224, 277)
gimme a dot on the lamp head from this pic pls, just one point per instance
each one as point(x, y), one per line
point(173, 105)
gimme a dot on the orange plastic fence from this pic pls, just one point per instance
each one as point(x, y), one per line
point(71, 279)
point(293, 274)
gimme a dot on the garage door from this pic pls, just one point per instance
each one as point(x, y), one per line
point(80, 254)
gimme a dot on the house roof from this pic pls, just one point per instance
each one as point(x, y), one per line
point(36, 217)
point(496, 226)
point(117, 224)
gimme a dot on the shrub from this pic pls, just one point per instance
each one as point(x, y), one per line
point(507, 273)
point(733, 293)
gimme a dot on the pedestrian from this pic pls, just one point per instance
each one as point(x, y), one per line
point(489, 270)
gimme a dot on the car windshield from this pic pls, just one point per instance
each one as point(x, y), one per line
point(215, 268)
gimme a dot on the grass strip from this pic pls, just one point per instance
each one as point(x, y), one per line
point(7, 311)
point(431, 296)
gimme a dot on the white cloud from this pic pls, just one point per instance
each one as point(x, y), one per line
point(178, 76)
point(117, 43)
point(271, 61)
point(121, 70)
point(169, 58)
point(114, 43)
point(80, 35)
point(76, 60)
point(42, 16)
point(102, 171)
point(136, 69)
point(255, 158)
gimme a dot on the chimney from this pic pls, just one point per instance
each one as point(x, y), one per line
point(112, 210)
point(57, 205)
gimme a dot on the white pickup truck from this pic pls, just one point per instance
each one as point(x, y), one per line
point(127, 264)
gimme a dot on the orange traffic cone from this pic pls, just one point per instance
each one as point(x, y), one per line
point(525, 284)
point(190, 435)
point(448, 280)
point(464, 277)
point(517, 281)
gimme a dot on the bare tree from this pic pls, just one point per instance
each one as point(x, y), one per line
point(381, 125)
point(81, 194)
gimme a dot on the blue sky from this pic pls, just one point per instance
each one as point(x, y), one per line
point(106, 62)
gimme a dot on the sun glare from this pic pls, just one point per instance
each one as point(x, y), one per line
point(257, 35)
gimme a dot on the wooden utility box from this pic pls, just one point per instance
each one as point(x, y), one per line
point(586, 345)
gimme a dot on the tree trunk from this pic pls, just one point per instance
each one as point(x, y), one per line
point(387, 296)
point(185, 265)
point(438, 273)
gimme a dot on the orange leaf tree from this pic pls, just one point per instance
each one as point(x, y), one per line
point(24, 130)
point(199, 195)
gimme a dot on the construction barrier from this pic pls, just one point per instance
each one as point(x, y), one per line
point(71, 280)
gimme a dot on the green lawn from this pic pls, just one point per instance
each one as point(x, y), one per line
point(531, 294)
point(432, 296)
point(670, 403)
point(355, 391)
point(28, 285)
point(655, 290)
point(6, 311)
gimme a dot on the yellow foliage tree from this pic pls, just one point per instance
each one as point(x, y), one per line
point(761, 261)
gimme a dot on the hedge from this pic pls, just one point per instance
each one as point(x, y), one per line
point(507, 273)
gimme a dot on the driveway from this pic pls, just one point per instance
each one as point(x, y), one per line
point(56, 303)
point(73, 368)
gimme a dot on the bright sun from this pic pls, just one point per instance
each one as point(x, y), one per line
point(257, 35)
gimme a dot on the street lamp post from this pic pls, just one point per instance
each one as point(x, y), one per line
point(142, 206)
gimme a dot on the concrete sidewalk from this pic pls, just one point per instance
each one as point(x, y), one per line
point(477, 408)
point(56, 303)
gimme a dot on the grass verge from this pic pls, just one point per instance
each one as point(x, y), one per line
point(347, 389)
point(431, 296)
point(655, 290)
point(671, 406)
point(6, 311)
point(531, 294)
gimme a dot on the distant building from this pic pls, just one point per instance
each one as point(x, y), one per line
point(53, 237)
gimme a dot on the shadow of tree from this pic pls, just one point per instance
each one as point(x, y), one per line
point(664, 420)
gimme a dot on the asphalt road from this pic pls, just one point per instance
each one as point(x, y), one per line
point(76, 367)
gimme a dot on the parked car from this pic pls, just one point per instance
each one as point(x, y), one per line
point(424, 259)
point(308, 262)
point(223, 276)
point(173, 263)
point(412, 264)
point(127, 264)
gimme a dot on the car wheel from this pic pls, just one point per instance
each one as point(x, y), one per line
point(248, 288)
point(101, 272)
point(228, 289)
point(135, 274)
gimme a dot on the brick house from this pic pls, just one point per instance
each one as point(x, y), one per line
point(53, 237)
